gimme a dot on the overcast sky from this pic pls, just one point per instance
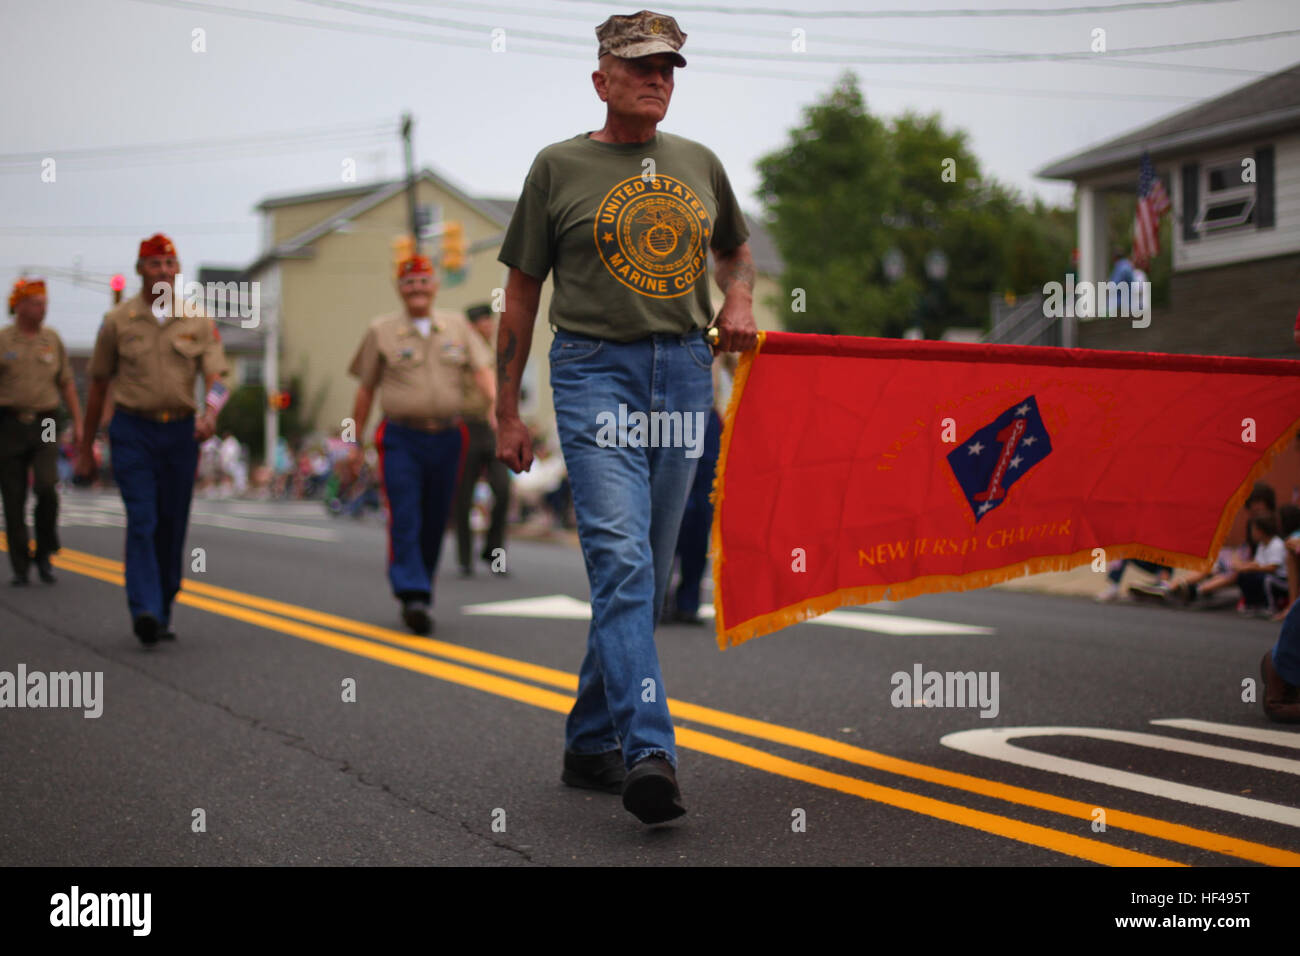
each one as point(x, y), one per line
point(99, 75)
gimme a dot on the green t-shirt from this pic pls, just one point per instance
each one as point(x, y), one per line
point(629, 252)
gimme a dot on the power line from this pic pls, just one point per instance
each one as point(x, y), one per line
point(927, 13)
point(965, 58)
point(256, 139)
point(833, 39)
point(354, 28)
point(209, 228)
point(89, 164)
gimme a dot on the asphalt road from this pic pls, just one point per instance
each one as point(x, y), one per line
point(791, 748)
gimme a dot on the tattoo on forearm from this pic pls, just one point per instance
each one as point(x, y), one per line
point(735, 268)
point(506, 355)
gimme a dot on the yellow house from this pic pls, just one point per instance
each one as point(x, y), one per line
point(327, 268)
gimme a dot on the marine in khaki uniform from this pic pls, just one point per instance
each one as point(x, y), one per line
point(152, 356)
point(34, 374)
point(417, 361)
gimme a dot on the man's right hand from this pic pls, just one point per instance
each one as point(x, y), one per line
point(85, 467)
point(514, 444)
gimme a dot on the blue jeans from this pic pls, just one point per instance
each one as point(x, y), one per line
point(153, 464)
point(1286, 653)
point(629, 502)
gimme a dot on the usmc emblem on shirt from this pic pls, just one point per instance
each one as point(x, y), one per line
point(653, 235)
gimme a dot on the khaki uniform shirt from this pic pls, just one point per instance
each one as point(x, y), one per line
point(417, 377)
point(33, 369)
point(153, 363)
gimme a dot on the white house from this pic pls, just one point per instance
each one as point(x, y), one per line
point(1232, 170)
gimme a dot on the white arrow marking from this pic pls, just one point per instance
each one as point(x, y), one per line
point(996, 743)
point(563, 607)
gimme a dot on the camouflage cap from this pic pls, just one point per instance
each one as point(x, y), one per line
point(641, 34)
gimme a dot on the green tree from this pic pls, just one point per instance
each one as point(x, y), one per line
point(848, 188)
point(244, 417)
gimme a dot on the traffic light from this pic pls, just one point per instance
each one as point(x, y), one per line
point(279, 401)
point(453, 246)
point(403, 249)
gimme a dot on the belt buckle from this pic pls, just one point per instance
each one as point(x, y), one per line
point(26, 418)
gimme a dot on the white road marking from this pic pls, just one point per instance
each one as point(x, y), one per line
point(563, 607)
point(1278, 738)
point(996, 744)
point(106, 511)
point(555, 606)
point(258, 526)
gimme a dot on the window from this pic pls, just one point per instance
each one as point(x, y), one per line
point(1226, 203)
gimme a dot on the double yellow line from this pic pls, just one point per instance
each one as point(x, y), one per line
point(483, 671)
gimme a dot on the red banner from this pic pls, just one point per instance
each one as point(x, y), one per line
point(856, 470)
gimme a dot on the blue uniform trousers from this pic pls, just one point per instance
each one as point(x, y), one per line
point(419, 470)
point(154, 464)
point(697, 521)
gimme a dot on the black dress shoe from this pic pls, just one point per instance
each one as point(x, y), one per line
point(650, 791)
point(19, 580)
point(167, 635)
point(44, 569)
point(604, 772)
point(146, 628)
point(416, 616)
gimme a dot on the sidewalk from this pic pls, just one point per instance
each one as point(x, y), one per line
point(1082, 581)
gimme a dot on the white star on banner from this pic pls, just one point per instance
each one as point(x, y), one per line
point(975, 449)
point(1023, 410)
point(1015, 462)
point(1028, 441)
point(985, 507)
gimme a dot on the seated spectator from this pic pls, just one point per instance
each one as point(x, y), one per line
point(1262, 503)
point(1289, 516)
point(1161, 589)
point(1262, 579)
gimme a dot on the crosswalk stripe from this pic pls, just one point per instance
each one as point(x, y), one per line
point(1259, 735)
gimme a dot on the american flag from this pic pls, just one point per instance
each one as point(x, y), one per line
point(1153, 202)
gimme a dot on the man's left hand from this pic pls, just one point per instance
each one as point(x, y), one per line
point(205, 425)
point(737, 331)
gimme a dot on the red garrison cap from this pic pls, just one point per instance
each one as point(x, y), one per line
point(156, 245)
point(414, 266)
point(23, 288)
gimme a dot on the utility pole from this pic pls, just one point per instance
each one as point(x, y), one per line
point(410, 184)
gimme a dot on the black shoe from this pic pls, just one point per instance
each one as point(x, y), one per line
point(146, 628)
point(167, 635)
point(466, 571)
point(19, 580)
point(650, 791)
point(44, 569)
point(604, 772)
point(416, 616)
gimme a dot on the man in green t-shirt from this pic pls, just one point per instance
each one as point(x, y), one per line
point(624, 219)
